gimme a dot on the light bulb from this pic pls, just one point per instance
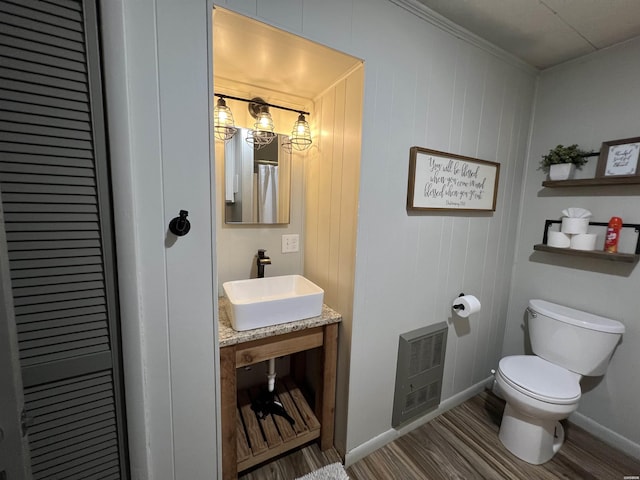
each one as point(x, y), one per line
point(223, 127)
point(301, 134)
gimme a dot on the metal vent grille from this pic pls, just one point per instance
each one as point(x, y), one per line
point(426, 353)
point(419, 372)
point(428, 393)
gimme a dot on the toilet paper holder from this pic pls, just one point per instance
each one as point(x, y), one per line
point(459, 306)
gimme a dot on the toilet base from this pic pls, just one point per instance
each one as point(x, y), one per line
point(533, 440)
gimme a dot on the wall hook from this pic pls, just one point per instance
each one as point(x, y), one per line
point(180, 226)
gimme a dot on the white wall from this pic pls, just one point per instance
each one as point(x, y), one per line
point(588, 101)
point(442, 93)
point(156, 60)
point(429, 88)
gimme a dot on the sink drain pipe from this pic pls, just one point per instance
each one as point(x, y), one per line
point(271, 374)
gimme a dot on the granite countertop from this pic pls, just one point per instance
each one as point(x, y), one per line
point(228, 336)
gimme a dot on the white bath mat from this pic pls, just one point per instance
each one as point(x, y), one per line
point(335, 471)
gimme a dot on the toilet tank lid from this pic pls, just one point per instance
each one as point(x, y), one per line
point(576, 317)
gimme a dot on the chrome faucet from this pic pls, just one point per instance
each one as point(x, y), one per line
point(262, 261)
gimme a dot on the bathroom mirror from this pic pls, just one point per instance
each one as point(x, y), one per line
point(257, 182)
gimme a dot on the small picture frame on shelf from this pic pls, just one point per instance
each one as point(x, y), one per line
point(619, 158)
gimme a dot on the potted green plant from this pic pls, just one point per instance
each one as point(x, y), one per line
point(562, 161)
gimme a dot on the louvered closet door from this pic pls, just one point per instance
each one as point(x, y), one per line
point(55, 195)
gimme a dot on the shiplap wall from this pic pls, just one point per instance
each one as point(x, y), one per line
point(447, 95)
point(331, 208)
point(426, 87)
point(588, 101)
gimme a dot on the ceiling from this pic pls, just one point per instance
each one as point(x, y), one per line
point(545, 33)
point(254, 59)
point(542, 33)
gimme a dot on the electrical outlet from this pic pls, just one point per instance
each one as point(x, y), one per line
point(290, 243)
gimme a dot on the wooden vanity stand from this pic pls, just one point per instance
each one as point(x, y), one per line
point(248, 441)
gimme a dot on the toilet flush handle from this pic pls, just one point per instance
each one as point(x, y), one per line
point(532, 313)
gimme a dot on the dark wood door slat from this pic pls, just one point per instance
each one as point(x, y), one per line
point(50, 50)
point(39, 69)
point(42, 38)
point(66, 322)
point(44, 131)
point(37, 21)
point(56, 271)
point(72, 349)
point(60, 313)
point(54, 235)
point(37, 98)
point(34, 159)
point(67, 171)
point(79, 415)
point(73, 5)
point(42, 58)
point(66, 13)
point(41, 79)
point(42, 110)
point(32, 192)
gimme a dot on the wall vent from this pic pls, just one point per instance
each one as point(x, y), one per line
point(419, 372)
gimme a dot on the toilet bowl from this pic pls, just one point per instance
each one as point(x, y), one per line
point(538, 395)
point(542, 389)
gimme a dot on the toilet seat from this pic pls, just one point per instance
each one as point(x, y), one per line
point(537, 378)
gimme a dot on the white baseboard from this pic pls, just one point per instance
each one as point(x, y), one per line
point(381, 440)
point(606, 435)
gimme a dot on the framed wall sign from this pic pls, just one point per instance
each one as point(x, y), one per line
point(445, 181)
point(619, 157)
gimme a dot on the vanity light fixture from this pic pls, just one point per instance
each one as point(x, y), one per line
point(262, 133)
point(263, 130)
point(301, 134)
point(223, 126)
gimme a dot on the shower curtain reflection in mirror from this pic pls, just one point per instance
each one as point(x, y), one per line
point(257, 182)
point(267, 193)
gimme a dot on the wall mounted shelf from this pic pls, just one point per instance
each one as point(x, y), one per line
point(599, 254)
point(612, 257)
point(593, 182)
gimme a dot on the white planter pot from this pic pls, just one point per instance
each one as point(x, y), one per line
point(561, 171)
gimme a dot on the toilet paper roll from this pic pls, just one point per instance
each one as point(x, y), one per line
point(584, 241)
point(558, 239)
point(574, 225)
point(466, 305)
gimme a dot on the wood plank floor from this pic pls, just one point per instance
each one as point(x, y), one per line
point(293, 465)
point(463, 444)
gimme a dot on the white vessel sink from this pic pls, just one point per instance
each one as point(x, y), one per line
point(262, 302)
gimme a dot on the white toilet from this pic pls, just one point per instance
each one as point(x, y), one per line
point(544, 388)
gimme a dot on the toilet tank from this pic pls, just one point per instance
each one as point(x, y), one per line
point(578, 341)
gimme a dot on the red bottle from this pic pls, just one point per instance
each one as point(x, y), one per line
point(613, 235)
